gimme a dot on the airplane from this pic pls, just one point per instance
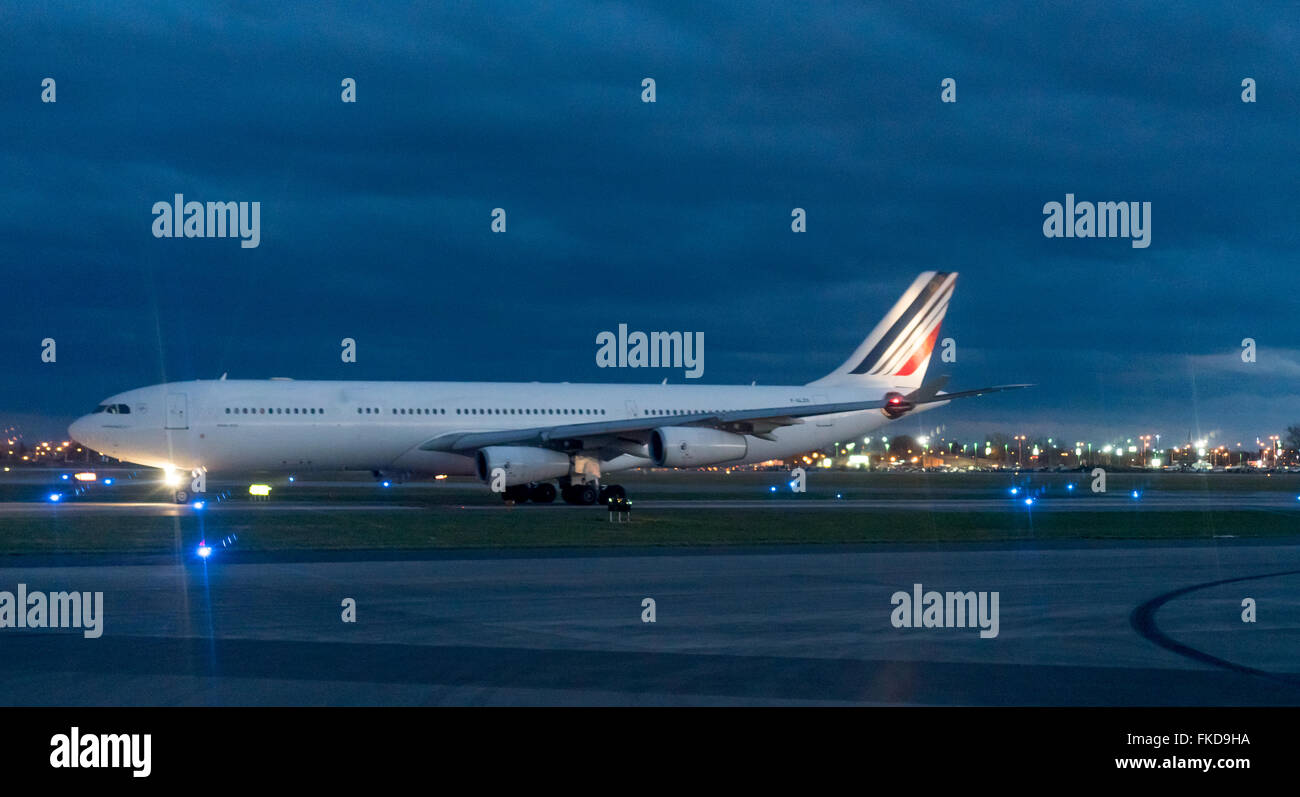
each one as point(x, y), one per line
point(526, 439)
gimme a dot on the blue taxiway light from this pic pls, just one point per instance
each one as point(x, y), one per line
point(290, 478)
point(1069, 486)
point(772, 489)
point(108, 481)
point(1136, 494)
point(56, 497)
point(386, 484)
point(1029, 502)
point(64, 477)
point(200, 504)
point(205, 551)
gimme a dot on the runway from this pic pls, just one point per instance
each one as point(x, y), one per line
point(1125, 502)
point(733, 625)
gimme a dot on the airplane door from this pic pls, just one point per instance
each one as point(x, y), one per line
point(631, 408)
point(177, 411)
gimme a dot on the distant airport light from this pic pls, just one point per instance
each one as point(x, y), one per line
point(261, 490)
point(85, 477)
point(440, 477)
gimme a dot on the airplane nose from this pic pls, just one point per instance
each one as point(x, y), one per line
point(77, 431)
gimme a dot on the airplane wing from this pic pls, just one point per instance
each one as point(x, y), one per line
point(757, 422)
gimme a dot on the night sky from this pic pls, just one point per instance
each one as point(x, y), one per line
point(675, 215)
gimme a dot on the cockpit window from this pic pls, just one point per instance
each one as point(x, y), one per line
point(114, 409)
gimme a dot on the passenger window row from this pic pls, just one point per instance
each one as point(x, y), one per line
point(396, 411)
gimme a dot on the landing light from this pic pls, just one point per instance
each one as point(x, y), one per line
point(172, 478)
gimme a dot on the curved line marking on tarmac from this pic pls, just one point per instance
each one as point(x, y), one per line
point(1143, 620)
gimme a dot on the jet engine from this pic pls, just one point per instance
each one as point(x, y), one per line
point(522, 464)
point(691, 446)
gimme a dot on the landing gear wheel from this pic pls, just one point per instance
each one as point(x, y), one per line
point(181, 497)
point(542, 493)
point(580, 494)
point(515, 492)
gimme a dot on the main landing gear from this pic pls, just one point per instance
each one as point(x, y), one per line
point(580, 494)
point(537, 492)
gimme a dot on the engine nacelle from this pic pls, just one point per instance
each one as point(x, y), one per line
point(522, 464)
point(691, 447)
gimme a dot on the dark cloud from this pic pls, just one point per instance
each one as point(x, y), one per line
point(666, 216)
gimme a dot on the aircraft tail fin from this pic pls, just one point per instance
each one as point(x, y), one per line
point(898, 349)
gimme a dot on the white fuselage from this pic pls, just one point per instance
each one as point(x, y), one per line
point(294, 426)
